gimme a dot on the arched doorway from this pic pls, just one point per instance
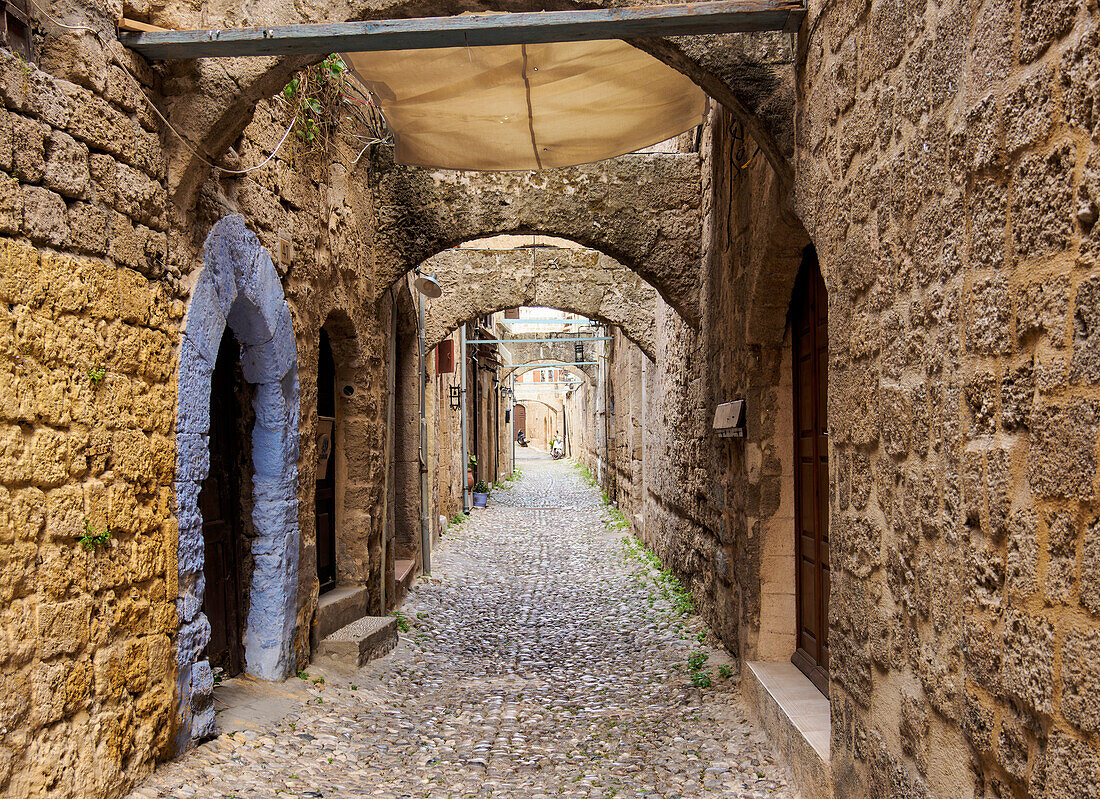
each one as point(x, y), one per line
point(219, 504)
point(325, 491)
point(520, 420)
point(810, 341)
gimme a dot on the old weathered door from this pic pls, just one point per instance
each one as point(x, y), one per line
point(520, 420)
point(325, 496)
point(219, 503)
point(809, 315)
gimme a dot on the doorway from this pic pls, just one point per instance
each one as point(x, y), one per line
point(520, 419)
point(219, 503)
point(325, 492)
point(810, 326)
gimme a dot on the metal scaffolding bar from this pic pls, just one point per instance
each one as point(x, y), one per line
point(475, 341)
point(475, 30)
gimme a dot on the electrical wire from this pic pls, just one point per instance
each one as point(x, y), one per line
point(108, 44)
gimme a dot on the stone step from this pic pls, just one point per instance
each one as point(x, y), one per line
point(361, 641)
point(338, 608)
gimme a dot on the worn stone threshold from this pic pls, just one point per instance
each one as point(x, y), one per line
point(795, 717)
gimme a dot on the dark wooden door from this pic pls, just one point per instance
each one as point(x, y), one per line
point(219, 503)
point(325, 496)
point(520, 420)
point(810, 319)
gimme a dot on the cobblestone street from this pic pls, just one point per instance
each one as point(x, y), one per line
point(541, 660)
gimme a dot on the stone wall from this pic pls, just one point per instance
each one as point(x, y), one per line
point(89, 315)
point(950, 179)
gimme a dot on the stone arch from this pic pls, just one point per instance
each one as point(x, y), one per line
point(238, 288)
point(523, 368)
point(643, 211)
point(477, 282)
point(751, 76)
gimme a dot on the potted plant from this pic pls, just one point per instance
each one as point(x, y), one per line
point(481, 494)
point(470, 464)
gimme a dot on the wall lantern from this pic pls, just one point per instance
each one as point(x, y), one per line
point(578, 352)
point(456, 397)
point(729, 419)
point(428, 285)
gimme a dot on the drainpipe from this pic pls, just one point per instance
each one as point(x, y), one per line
point(425, 505)
point(512, 430)
point(462, 416)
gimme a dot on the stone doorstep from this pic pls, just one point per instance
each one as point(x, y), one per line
point(336, 609)
point(795, 717)
point(359, 642)
point(402, 570)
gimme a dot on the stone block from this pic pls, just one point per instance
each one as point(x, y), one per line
point(989, 317)
point(88, 225)
point(79, 59)
point(1030, 110)
point(1042, 22)
point(28, 149)
point(1090, 569)
point(1066, 769)
point(271, 360)
point(191, 639)
point(1062, 460)
point(1012, 746)
point(96, 122)
point(11, 205)
point(192, 457)
point(66, 166)
point(193, 404)
point(1081, 679)
point(1080, 88)
point(45, 216)
point(63, 628)
point(1027, 671)
point(360, 642)
point(1086, 333)
point(1022, 561)
point(1042, 203)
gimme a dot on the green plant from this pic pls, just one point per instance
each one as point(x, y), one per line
point(701, 636)
point(402, 620)
point(96, 376)
point(91, 538)
point(471, 462)
point(459, 518)
point(725, 672)
point(303, 675)
point(697, 659)
point(481, 487)
point(701, 679)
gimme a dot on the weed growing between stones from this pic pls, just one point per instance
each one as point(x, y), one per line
point(587, 476)
point(92, 539)
point(96, 376)
point(669, 586)
point(402, 621)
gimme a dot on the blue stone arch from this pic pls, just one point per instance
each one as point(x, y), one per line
point(238, 287)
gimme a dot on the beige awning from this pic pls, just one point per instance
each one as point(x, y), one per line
point(531, 106)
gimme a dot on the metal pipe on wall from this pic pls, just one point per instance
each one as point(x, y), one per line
point(462, 416)
point(425, 505)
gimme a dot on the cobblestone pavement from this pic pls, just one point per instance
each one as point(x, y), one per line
point(539, 662)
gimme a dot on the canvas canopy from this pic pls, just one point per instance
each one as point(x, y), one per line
point(524, 107)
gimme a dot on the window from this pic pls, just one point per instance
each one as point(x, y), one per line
point(16, 30)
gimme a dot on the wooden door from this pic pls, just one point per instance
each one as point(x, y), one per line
point(325, 490)
point(809, 316)
point(219, 503)
point(520, 419)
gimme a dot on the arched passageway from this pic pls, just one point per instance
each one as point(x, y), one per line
point(238, 294)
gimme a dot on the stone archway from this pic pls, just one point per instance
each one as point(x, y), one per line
point(238, 288)
point(480, 281)
point(523, 368)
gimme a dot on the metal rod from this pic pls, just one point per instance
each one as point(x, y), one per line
point(549, 364)
point(546, 321)
point(462, 415)
point(475, 341)
point(475, 30)
point(425, 508)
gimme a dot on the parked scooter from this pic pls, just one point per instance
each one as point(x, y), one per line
point(556, 450)
point(521, 438)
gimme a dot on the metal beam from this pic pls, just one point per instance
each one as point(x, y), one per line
point(475, 341)
point(547, 322)
point(475, 30)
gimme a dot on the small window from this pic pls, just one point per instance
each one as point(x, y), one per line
point(16, 28)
